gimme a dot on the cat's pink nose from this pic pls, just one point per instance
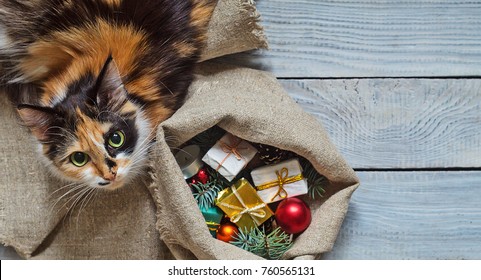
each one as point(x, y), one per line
point(110, 176)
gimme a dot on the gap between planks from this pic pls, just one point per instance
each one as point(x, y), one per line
point(412, 215)
point(397, 124)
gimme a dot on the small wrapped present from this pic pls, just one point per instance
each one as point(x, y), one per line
point(229, 156)
point(279, 181)
point(243, 206)
point(213, 216)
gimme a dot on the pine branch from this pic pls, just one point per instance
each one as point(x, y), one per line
point(274, 245)
point(216, 177)
point(271, 246)
point(315, 181)
point(205, 194)
point(245, 239)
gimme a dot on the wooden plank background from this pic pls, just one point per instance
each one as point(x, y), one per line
point(413, 215)
point(415, 141)
point(397, 123)
point(369, 38)
point(397, 84)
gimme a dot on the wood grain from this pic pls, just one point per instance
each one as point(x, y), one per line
point(413, 215)
point(8, 253)
point(369, 38)
point(398, 123)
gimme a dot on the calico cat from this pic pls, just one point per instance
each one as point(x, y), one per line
point(92, 79)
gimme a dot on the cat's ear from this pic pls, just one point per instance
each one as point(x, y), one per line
point(37, 118)
point(109, 89)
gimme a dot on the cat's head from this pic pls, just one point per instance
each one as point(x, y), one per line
point(96, 135)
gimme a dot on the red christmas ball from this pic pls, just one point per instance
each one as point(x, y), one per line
point(202, 176)
point(293, 215)
point(193, 181)
point(227, 232)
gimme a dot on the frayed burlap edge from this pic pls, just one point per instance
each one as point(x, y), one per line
point(231, 38)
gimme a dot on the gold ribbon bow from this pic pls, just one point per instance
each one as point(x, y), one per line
point(254, 212)
point(282, 179)
point(231, 150)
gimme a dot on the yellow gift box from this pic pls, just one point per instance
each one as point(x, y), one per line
point(243, 206)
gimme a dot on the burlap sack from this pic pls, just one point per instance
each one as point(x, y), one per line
point(252, 105)
point(129, 224)
point(233, 28)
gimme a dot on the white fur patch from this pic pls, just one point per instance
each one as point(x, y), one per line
point(59, 97)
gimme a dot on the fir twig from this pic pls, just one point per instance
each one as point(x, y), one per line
point(216, 177)
point(271, 246)
point(274, 245)
point(245, 239)
point(205, 194)
point(315, 181)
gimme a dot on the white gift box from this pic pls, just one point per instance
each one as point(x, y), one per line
point(279, 181)
point(229, 156)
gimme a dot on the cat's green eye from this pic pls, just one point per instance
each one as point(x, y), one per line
point(79, 159)
point(117, 139)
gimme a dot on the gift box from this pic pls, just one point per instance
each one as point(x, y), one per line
point(229, 156)
point(279, 181)
point(213, 216)
point(243, 206)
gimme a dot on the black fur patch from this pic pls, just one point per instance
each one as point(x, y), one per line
point(165, 21)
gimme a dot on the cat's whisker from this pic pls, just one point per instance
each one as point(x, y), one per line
point(67, 193)
point(85, 201)
point(79, 197)
point(142, 150)
point(62, 188)
point(143, 147)
point(74, 191)
point(166, 88)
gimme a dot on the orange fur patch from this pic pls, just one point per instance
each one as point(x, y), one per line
point(184, 49)
point(113, 3)
point(158, 113)
point(201, 14)
point(145, 87)
point(128, 108)
point(82, 49)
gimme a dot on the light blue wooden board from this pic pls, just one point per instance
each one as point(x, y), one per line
point(397, 123)
point(369, 38)
point(8, 253)
point(413, 215)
